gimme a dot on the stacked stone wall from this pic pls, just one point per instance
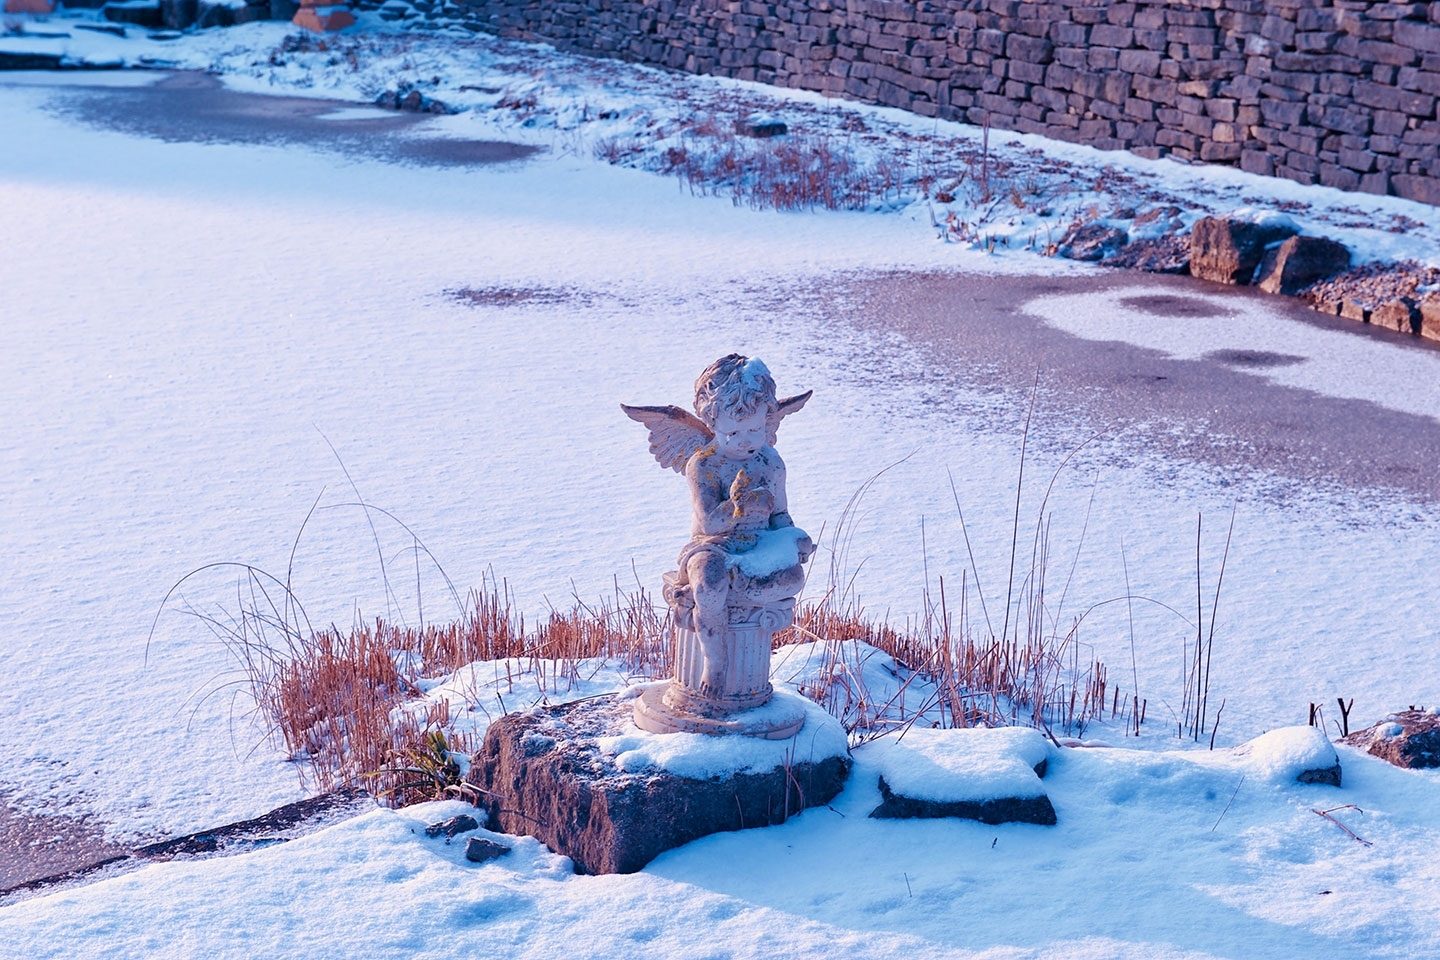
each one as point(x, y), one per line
point(1337, 92)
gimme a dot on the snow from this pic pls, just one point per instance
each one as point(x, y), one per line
point(1286, 753)
point(774, 550)
point(189, 327)
point(949, 766)
point(701, 757)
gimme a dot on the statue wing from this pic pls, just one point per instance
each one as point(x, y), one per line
point(675, 434)
point(783, 409)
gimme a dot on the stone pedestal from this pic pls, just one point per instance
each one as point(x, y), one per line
point(322, 16)
point(581, 779)
point(740, 705)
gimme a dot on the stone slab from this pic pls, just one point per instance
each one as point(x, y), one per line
point(545, 773)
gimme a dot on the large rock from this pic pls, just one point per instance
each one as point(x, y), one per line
point(1299, 754)
point(1410, 738)
point(1299, 262)
point(584, 780)
point(1227, 250)
point(1430, 317)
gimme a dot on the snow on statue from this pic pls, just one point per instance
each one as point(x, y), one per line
point(738, 576)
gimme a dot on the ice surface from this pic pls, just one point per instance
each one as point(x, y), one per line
point(971, 764)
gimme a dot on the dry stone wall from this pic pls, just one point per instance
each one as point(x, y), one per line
point(1337, 92)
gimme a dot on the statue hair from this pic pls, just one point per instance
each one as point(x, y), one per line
point(737, 385)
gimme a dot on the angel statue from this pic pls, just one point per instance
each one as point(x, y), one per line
point(744, 551)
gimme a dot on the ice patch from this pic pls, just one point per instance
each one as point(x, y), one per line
point(948, 766)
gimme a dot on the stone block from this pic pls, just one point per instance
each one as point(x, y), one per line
point(1417, 36)
point(1415, 187)
point(1227, 251)
point(585, 781)
point(989, 775)
point(1300, 261)
point(1401, 315)
point(1430, 317)
point(142, 13)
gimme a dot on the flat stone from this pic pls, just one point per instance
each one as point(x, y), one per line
point(1409, 738)
point(1300, 261)
point(1226, 250)
point(989, 775)
point(760, 127)
point(1430, 317)
point(577, 778)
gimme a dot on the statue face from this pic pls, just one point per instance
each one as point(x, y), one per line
point(743, 438)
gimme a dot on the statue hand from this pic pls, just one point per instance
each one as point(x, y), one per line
point(806, 547)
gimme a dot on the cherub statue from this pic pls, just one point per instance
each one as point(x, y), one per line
point(744, 549)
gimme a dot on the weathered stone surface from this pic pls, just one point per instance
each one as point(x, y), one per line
point(1430, 317)
point(1093, 241)
point(1227, 251)
point(1165, 254)
point(1402, 316)
point(210, 13)
point(1299, 262)
point(1329, 776)
point(544, 774)
point(479, 850)
point(1001, 810)
point(1410, 738)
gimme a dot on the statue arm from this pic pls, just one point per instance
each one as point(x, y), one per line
point(780, 513)
point(714, 514)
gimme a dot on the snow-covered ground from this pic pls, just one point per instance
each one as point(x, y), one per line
point(189, 328)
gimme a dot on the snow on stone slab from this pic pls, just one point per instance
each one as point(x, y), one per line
point(1287, 754)
point(948, 766)
point(701, 756)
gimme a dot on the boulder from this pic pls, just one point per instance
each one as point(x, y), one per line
point(1093, 241)
point(1169, 253)
point(1299, 262)
point(1410, 739)
point(14, 60)
point(588, 783)
point(1430, 317)
point(1227, 250)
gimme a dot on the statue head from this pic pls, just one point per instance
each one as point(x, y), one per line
point(738, 386)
